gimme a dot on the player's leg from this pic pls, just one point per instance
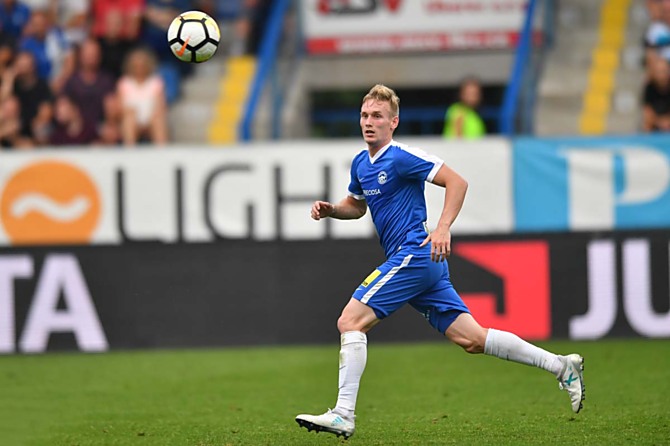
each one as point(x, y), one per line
point(354, 322)
point(473, 338)
point(385, 290)
point(447, 313)
point(356, 317)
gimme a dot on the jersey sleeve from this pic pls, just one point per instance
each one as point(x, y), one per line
point(355, 189)
point(416, 164)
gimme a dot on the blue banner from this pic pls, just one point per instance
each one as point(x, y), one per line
point(573, 184)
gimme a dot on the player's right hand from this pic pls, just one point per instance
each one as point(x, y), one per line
point(322, 209)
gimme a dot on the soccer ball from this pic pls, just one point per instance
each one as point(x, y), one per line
point(193, 37)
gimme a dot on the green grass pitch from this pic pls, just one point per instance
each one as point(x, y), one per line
point(411, 394)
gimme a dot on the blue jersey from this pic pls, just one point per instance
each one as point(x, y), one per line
point(393, 182)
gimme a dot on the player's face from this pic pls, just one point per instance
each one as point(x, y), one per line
point(377, 123)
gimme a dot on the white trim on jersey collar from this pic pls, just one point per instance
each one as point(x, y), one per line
point(380, 152)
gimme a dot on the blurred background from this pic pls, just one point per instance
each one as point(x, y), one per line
point(146, 202)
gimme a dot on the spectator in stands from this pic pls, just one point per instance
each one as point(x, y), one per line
point(90, 86)
point(657, 36)
point(114, 44)
point(72, 17)
point(656, 100)
point(6, 60)
point(158, 15)
point(653, 9)
point(250, 17)
point(157, 18)
point(38, 5)
point(53, 54)
point(10, 125)
point(10, 108)
point(142, 94)
point(7, 49)
point(14, 16)
point(116, 25)
point(130, 11)
point(70, 128)
point(462, 119)
point(109, 134)
point(6, 39)
point(259, 12)
point(34, 97)
point(210, 6)
point(109, 131)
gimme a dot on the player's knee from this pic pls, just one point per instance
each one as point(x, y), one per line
point(471, 344)
point(474, 347)
point(348, 323)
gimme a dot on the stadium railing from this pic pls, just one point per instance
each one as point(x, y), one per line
point(265, 71)
point(518, 108)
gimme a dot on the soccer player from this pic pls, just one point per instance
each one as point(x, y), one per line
point(389, 178)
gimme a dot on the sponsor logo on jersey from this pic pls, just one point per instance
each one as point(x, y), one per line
point(368, 192)
point(381, 178)
point(373, 275)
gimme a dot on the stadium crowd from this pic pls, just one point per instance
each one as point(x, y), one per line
point(656, 91)
point(80, 72)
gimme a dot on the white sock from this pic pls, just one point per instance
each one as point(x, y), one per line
point(506, 345)
point(353, 356)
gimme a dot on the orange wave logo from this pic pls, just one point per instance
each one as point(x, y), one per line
point(50, 202)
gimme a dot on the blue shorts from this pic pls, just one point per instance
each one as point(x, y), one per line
point(411, 277)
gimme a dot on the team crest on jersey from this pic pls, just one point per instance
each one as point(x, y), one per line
point(381, 178)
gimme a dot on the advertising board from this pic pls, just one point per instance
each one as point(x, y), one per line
point(241, 292)
point(371, 26)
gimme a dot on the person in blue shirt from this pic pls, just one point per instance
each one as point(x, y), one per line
point(53, 54)
point(158, 14)
point(657, 34)
point(389, 178)
point(14, 16)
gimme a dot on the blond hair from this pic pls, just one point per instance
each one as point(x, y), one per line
point(383, 93)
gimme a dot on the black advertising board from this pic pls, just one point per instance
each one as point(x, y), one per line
point(152, 295)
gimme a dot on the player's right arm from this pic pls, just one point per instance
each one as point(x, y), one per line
point(348, 209)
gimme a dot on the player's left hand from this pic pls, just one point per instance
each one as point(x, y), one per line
point(440, 244)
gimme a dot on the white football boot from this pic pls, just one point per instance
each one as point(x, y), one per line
point(571, 379)
point(328, 422)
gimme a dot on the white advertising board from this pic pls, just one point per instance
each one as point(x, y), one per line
point(260, 192)
point(377, 26)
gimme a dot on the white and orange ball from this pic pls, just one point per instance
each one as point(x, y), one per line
point(193, 37)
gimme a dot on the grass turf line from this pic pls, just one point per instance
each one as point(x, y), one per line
point(411, 394)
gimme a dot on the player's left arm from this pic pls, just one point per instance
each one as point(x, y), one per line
point(455, 189)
